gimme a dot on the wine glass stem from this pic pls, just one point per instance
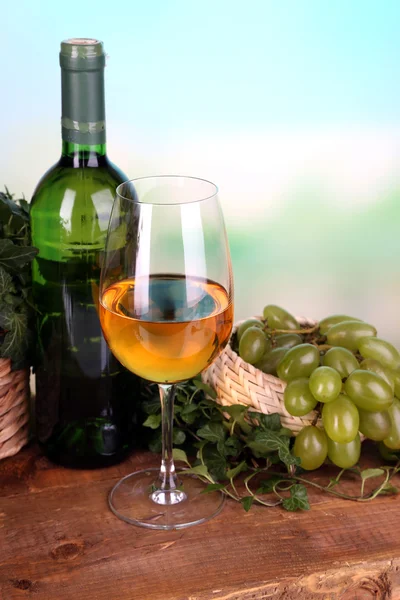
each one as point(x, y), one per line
point(168, 480)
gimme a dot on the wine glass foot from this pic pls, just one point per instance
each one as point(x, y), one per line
point(134, 500)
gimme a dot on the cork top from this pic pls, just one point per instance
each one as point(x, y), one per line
point(82, 54)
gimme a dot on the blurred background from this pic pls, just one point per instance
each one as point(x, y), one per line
point(291, 107)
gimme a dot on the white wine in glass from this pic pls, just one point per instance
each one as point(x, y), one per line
point(166, 309)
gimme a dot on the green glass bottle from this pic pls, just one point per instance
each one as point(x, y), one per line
point(86, 402)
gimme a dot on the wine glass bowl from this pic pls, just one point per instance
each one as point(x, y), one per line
point(166, 309)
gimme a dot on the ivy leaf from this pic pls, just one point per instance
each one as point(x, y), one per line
point(6, 283)
point(212, 432)
point(368, 473)
point(215, 462)
point(153, 421)
point(258, 449)
point(13, 257)
point(235, 411)
point(198, 470)
point(272, 441)
point(16, 339)
point(271, 422)
point(205, 388)
point(155, 444)
point(189, 413)
point(247, 502)
point(389, 489)
point(241, 467)
point(232, 446)
point(213, 487)
point(298, 499)
point(25, 208)
point(267, 485)
point(180, 455)
point(151, 406)
point(178, 436)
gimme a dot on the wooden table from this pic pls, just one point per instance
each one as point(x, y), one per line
point(59, 541)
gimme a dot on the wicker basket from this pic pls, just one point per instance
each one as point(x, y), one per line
point(14, 408)
point(238, 382)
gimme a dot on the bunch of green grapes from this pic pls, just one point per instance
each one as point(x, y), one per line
point(338, 368)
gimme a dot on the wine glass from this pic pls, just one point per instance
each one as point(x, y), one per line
point(166, 309)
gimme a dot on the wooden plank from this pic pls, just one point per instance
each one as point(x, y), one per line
point(58, 540)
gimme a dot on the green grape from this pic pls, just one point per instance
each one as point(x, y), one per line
point(349, 334)
point(288, 340)
point(299, 361)
point(393, 439)
point(370, 364)
point(246, 324)
point(279, 318)
point(253, 345)
point(270, 360)
point(374, 425)
point(311, 446)
point(342, 360)
point(298, 399)
point(396, 380)
point(368, 390)
point(345, 455)
point(340, 419)
point(387, 454)
point(328, 322)
point(325, 384)
point(385, 353)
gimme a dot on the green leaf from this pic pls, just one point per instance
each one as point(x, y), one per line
point(25, 207)
point(271, 422)
point(152, 421)
point(205, 388)
point(234, 472)
point(199, 470)
point(298, 499)
point(13, 257)
point(258, 449)
point(389, 489)
point(189, 408)
point(213, 487)
point(155, 444)
point(368, 473)
point(180, 455)
point(267, 485)
point(6, 283)
point(151, 406)
point(189, 413)
point(273, 441)
point(213, 432)
point(178, 437)
point(16, 340)
point(235, 411)
point(247, 502)
point(215, 462)
point(232, 446)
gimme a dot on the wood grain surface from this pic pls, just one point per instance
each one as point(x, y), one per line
point(59, 541)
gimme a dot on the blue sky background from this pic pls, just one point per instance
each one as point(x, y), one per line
point(291, 107)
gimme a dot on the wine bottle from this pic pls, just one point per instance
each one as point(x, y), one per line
point(86, 402)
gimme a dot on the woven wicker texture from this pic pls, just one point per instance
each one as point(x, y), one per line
point(238, 382)
point(14, 408)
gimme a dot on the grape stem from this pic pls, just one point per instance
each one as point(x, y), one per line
point(390, 472)
point(298, 331)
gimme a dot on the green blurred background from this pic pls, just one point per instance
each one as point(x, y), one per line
point(291, 107)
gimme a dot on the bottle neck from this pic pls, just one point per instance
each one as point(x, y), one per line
point(82, 155)
point(83, 108)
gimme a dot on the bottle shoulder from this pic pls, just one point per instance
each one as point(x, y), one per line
point(81, 182)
